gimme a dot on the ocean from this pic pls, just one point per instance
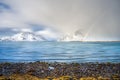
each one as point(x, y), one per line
point(79, 52)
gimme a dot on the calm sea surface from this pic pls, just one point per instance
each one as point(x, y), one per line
point(60, 51)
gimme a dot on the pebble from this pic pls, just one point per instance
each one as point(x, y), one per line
point(44, 69)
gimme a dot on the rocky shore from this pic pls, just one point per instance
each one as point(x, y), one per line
point(55, 70)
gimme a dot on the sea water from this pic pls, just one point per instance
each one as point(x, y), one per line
point(60, 51)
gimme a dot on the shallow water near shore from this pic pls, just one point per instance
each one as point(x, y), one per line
point(60, 51)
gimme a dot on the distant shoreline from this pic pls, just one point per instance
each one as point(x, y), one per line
point(55, 41)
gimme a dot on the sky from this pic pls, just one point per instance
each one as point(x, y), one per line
point(95, 19)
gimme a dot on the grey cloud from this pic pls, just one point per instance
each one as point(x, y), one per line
point(4, 6)
point(37, 27)
point(99, 18)
point(6, 31)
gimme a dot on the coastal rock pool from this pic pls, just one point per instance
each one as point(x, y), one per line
point(60, 51)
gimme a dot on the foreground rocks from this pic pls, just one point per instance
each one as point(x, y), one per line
point(59, 71)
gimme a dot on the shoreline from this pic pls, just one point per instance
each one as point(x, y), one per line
point(58, 70)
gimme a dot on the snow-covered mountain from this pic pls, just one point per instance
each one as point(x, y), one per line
point(23, 36)
point(76, 36)
point(32, 36)
point(70, 37)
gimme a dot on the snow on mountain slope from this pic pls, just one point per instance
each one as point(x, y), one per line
point(23, 36)
point(69, 37)
point(76, 36)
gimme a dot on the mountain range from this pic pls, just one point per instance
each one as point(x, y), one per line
point(30, 36)
point(23, 36)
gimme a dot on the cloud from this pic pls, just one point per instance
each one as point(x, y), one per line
point(4, 7)
point(97, 19)
point(22, 30)
point(37, 27)
point(48, 34)
point(6, 31)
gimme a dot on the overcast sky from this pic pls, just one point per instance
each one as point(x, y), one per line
point(97, 19)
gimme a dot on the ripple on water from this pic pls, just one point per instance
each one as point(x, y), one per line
point(60, 51)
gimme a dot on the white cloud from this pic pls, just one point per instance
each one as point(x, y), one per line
point(48, 34)
point(22, 30)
